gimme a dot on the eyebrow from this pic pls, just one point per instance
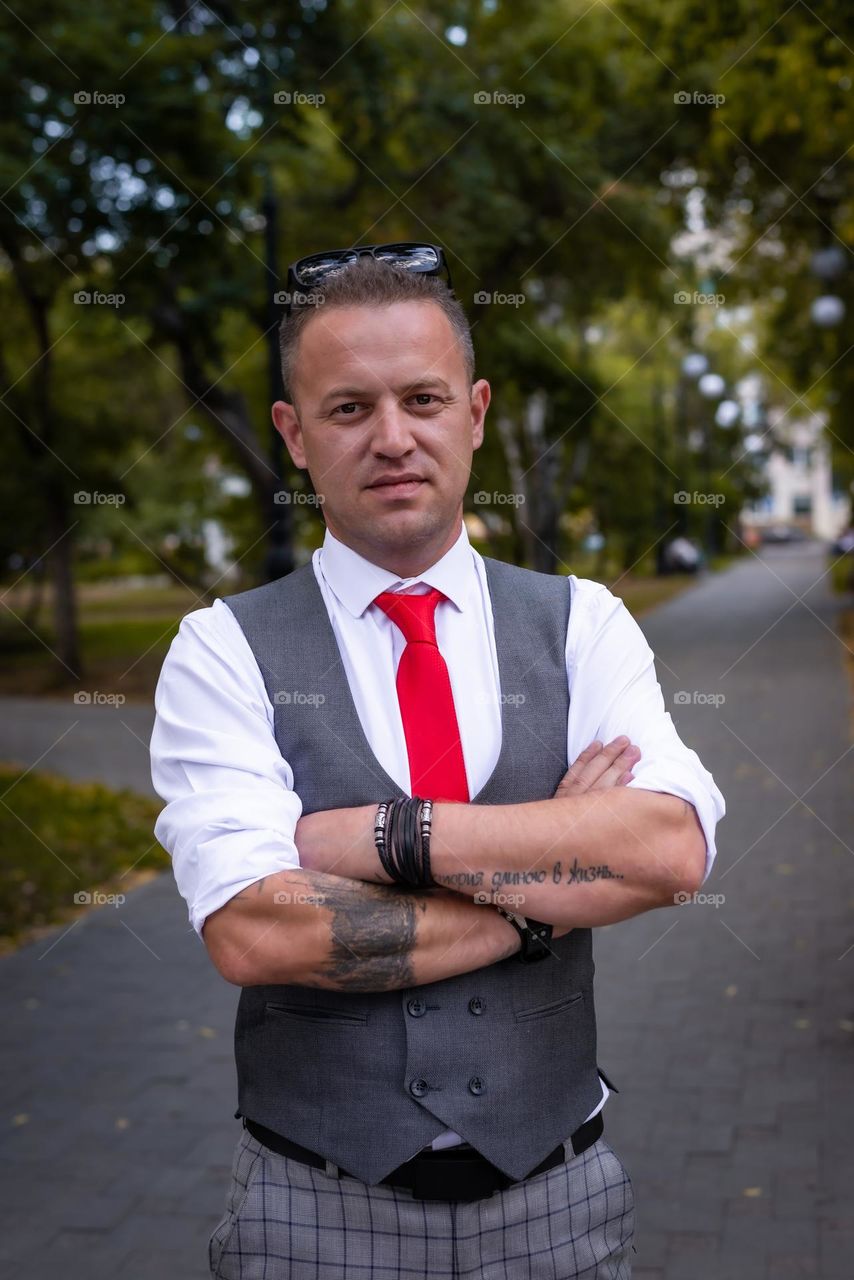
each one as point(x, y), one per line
point(355, 393)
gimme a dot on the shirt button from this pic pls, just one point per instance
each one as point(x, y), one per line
point(477, 1004)
point(477, 1085)
point(418, 1088)
point(416, 1008)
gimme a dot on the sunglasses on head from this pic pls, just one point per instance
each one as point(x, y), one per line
point(306, 274)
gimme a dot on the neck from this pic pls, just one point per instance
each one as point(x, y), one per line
point(406, 562)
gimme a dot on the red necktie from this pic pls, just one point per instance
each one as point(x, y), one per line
point(436, 765)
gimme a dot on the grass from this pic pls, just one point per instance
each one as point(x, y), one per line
point(59, 839)
point(124, 635)
point(642, 594)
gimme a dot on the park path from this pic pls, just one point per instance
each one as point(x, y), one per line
point(94, 742)
point(728, 1028)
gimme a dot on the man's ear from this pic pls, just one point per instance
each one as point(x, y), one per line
point(286, 422)
point(480, 396)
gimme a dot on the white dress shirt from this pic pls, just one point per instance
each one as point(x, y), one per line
point(231, 808)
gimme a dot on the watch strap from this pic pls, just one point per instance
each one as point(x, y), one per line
point(536, 936)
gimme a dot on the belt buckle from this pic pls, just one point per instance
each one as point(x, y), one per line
point(444, 1179)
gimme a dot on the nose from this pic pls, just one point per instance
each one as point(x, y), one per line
point(391, 436)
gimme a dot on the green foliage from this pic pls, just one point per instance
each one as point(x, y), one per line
point(59, 838)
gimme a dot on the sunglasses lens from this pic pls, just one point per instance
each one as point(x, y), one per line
point(320, 265)
point(312, 270)
point(415, 257)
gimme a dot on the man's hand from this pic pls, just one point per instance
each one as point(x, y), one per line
point(600, 767)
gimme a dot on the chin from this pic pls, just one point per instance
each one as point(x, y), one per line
point(405, 527)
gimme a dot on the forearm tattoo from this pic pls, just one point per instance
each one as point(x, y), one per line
point(373, 936)
point(573, 873)
point(461, 879)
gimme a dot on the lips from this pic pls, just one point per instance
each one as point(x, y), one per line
point(388, 481)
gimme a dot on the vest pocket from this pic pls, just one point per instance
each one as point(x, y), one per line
point(553, 1006)
point(317, 1013)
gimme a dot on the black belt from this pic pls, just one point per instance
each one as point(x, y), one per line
point(455, 1173)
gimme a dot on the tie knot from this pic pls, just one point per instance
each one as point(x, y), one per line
point(413, 614)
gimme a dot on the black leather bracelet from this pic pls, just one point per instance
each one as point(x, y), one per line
point(402, 838)
point(536, 937)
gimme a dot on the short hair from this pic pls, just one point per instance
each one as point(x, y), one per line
point(372, 283)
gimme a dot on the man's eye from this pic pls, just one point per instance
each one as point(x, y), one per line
point(424, 397)
point(351, 406)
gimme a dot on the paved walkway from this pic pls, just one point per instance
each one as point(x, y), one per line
point(729, 1029)
point(92, 742)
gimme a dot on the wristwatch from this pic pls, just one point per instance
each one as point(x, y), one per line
point(535, 936)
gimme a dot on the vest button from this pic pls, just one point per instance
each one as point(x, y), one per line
point(477, 1004)
point(477, 1085)
point(418, 1088)
point(416, 1007)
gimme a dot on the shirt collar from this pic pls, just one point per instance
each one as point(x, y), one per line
point(357, 581)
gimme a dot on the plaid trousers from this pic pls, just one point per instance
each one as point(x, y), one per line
point(288, 1221)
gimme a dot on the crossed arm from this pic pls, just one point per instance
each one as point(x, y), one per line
point(594, 854)
point(584, 859)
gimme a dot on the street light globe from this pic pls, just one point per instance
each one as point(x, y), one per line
point(712, 386)
point(828, 263)
point(727, 413)
point(694, 364)
point(827, 311)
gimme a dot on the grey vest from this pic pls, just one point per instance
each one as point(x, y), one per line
point(505, 1055)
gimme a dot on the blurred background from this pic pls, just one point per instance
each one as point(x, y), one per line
point(647, 211)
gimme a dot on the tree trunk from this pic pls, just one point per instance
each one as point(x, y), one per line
point(545, 515)
point(60, 538)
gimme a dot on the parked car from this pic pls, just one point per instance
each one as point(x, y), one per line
point(844, 544)
point(681, 555)
point(782, 533)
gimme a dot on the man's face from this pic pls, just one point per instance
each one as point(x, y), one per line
point(382, 397)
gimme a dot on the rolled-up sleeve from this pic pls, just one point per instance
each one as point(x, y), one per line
point(231, 809)
point(614, 690)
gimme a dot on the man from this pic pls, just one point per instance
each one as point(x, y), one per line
point(416, 1035)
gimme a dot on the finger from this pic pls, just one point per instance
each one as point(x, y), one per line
point(625, 761)
point(607, 759)
point(576, 770)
